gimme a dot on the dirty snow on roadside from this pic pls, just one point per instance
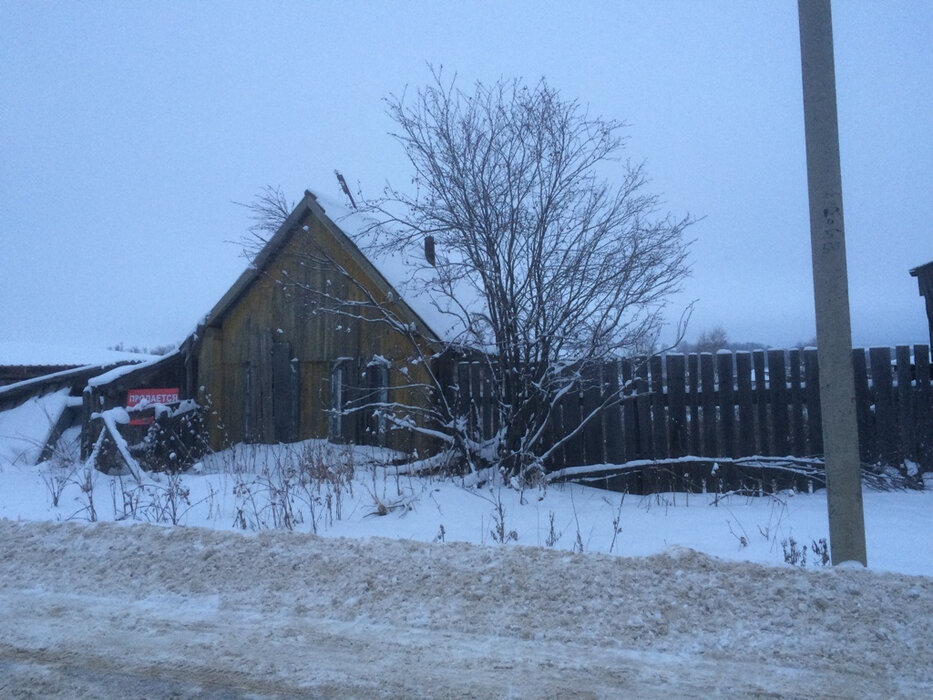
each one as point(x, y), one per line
point(106, 610)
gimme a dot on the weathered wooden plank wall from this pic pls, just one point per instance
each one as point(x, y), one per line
point(728, 405)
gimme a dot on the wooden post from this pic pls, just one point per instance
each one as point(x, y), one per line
point(830, 284)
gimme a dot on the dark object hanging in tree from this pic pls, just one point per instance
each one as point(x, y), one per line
point(343, 186)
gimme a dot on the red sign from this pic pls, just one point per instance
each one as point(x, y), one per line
point(147, 397)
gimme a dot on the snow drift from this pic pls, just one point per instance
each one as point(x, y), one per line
point(108, 609)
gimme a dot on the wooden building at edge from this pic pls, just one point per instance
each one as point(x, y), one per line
point(300, 347)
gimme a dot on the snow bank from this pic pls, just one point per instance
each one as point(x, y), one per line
point(25, 429)
point(105, 609)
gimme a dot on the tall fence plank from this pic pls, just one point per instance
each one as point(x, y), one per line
point(778, 400)
point(708, 405)
point(593, 444)
point(658, 407)
point(882, 391)
point(693, 394)
point(745, 400)
point(868, 441)
point(811, 372)
point(629, 417)
point(923, 410)
point(726, 404)
point(905, 408)
point(642, 404)
point(761, 395)
point(676, 396)
point(798, 439)
point(612, 416)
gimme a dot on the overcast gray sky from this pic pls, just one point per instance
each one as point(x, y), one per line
point(128, 129)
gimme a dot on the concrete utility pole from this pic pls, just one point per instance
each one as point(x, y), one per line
point(830, 285)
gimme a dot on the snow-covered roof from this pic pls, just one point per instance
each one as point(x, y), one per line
point(31, 354)
point(117, 372)
point(407, 271)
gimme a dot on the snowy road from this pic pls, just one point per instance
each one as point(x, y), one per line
point(139, 611)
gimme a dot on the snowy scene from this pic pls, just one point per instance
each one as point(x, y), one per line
point(510, 350)
point(317, 570)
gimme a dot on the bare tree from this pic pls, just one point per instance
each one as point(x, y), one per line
point(268, 212)
point(547, 266)
point(712, 340)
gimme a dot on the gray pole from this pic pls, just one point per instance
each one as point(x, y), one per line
point(830, 285)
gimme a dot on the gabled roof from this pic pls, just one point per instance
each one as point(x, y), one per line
point(915, 272)
point(391, 273)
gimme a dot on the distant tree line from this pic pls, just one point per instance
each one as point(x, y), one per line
point(716, 338)
point(155, 350)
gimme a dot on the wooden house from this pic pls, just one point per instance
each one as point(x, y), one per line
point(313, 341)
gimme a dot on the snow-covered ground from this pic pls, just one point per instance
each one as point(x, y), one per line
point(317, 570)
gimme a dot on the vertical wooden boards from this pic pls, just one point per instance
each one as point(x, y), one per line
point(353, 419)
point(643, 409)
point(591, 399)
point(572, 417)
point(708, 406)
point(864, 418)
point(463, 390)
point(629, 412)
point(905, 400)
point(761, 395)
point(612, 415)
point(285, 399)
point(264, 362)
point(726, 404)
point(798, 439)
point(777, 388)
point(729, 405)
point(883, 395)
point(745, 400)
point(658, 414)
point(923, 413)
point(487, 407)
point(476, 399)
point(677, 405)
point(811, 372)
point(693, 394)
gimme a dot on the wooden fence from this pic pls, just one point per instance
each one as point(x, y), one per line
point(729, 405)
